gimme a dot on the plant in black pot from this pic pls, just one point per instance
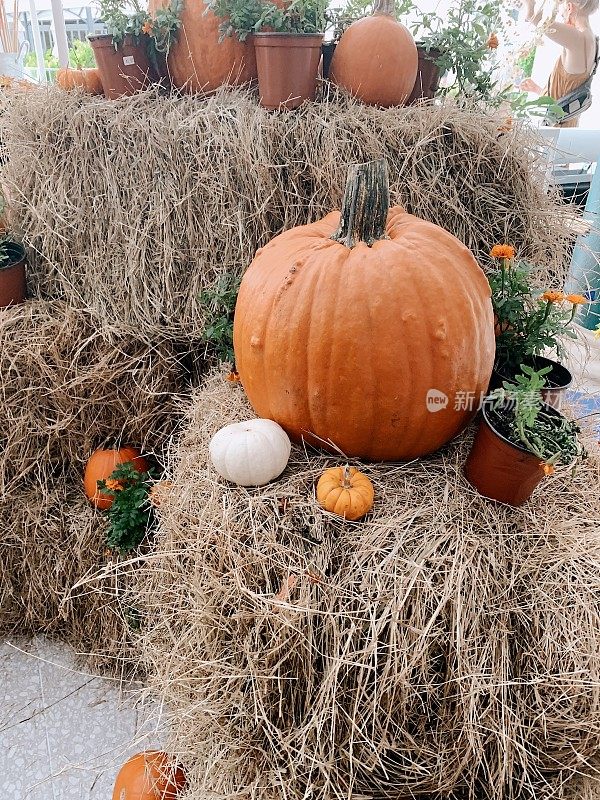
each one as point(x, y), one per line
point(529, 322)
point(132, 55)
point(13, 261)
point(520, 440)
point(287, 43)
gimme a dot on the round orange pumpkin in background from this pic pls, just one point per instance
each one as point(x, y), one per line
point(370, 333)
point(376, 59)
point(151, 775)
point(87, 79)
point(101, 465)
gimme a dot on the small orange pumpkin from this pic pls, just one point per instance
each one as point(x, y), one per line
point(376, 59)
point(101, 465)
point(151, 775)
point(345, 491)
point(87, 79)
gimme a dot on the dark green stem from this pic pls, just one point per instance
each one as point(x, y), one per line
point(365, 206)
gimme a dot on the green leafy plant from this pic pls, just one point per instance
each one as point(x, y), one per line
point(50, 60)
point(342, 18)
point(528, 321)
point(220, 306)
point(518, 413)
point(132, 19)
point(131, 512)
point(244, 17)
point(81, 55)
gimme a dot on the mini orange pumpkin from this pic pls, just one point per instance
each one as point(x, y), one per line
point(101, 465)
point(345, 491)
point(376, 59)
point(87, 79)
point(151, 775)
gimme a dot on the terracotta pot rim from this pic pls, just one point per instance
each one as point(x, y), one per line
point(15, 258)
point(105, 38)
point(295, 37)
point(519, 448)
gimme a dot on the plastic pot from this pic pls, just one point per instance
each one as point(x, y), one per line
point(428, 75)
point(125, 69)
point(499, 469)
point(558, 379)
point(327, 51)
point(287, 65)
point(13, 288)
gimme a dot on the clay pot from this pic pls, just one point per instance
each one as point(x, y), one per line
point(558, 379)
point(428, 75)
point(12, 275)
point(499, 469)
point(287, 65)
point(126, 69)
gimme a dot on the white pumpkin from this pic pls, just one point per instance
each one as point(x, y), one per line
point(250, 453)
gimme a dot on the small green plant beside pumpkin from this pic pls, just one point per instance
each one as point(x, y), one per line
point(518, 413)
point(244, 17)
point(131, 512)
point(220, 306)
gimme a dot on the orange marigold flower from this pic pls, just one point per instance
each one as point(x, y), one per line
point(114, 485)
point(147, 27)
point(233, 376)
point(548, 468)
point(577, 299)
point(493, 42)
point(502, 251)
point(552, 296)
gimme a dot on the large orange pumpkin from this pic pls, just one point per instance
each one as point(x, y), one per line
point(373, 332)
point(88, 79)
point(197, 61)
point(376, 59)
point(149, 776)
point(101, 465)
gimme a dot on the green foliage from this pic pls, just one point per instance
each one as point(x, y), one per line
point(244, 17)
point(130, 513)
point(521, 106)
point(461, 36)
point(81, 55)
point(526, 63)
point(132, 19)
point(220, 306)
point(528, 324)
point(50, 60)
point(519, 413)
point(342, 18)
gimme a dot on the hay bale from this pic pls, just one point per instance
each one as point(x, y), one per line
point(446, 647)
point(174, 192)
point(52, 547)
point(68, 387)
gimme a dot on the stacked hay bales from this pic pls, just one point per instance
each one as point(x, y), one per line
point(445, 647)
point(137, 209)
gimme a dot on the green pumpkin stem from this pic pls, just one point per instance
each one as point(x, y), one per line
point(366, 204)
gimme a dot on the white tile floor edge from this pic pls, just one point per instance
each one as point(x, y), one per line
point(63, 732)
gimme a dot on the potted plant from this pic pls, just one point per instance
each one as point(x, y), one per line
point(132, 55)
point(520, 440)
point(13, 260)
point(287, 44)
point(529, 322)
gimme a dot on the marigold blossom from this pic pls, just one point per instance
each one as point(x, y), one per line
point(548, 468)
point(493, 42)
point(553, 296)
point(502, 251)
point(147, 27)
point(114, 485)
point(577, 299)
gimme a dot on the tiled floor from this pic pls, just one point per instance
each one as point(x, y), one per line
point(63, 733)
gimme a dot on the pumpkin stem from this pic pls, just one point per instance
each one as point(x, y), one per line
point(365, 206)
point(346, 482)
point(385, 7)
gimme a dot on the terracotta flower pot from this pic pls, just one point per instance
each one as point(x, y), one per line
point(287, 65)
point(499, 469)
point(126, 69)
point(428, 75)
point(558, 379)
point(12, 275)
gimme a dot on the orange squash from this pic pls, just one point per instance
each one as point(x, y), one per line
point(346, 492)
point(101, 465)
point(197, 61)
point(368, 332)
point(376, 59)
point(151, 775)
point(87, 79)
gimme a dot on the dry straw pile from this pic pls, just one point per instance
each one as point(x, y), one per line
point(444, 647)
point(137, 207)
